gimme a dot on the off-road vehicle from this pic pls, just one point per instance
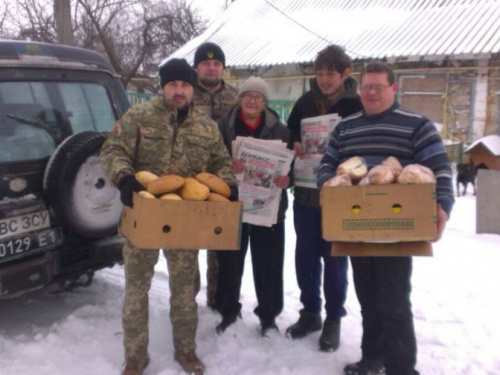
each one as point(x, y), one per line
point(58, 213)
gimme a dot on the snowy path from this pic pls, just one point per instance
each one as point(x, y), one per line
point(455, 302)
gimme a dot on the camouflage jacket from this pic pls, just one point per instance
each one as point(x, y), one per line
point(148, 137)
point(215, 105)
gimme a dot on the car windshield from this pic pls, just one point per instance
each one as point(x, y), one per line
point(36, 116)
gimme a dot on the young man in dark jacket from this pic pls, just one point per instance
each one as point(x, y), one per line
point(332, 91)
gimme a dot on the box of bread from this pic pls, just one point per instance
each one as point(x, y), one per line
point(380, 209)
point(182, 213)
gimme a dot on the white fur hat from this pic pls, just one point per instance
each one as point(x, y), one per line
point(255, 84)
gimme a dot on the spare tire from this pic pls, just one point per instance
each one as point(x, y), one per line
point(79, 195)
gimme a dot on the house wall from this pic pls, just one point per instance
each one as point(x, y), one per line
point(492, 125)
point(487, 202)
point(462, 98)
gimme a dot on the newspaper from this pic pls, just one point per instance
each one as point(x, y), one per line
point(315, 132)
point(264, 160)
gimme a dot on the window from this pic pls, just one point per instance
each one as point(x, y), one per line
point(36, 116)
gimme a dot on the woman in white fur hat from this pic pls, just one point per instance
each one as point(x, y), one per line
point(251, 117)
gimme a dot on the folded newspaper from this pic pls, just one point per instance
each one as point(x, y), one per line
point(264, 160)
point(315, 133)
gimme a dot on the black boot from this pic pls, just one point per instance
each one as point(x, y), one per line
point(227, 320)
point(367, 366)
point(308, 322)
point(266, 326)
point(329, 340)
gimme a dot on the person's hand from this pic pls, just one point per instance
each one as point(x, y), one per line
point(282, 181)
point(233, 197)
point(297, 148)
point(238, 165)
point(127, 185)
point(442, 218)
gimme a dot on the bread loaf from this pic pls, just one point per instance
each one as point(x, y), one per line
point(381, 175)
point(342, 180)
point(393, 163)
point(354, 167)
point(214, 197)
point(165, 184)
point(171, 196)
point(214, 183)
point(193, 190)
point(416, 174)
point(145, 194)
point(145, 177)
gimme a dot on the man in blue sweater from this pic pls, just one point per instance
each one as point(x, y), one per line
point(383, 284)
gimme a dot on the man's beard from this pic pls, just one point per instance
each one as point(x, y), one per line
point(207, 82)
point(182, 111)
point(172, 104)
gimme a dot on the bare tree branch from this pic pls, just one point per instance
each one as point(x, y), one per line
point(135, 35)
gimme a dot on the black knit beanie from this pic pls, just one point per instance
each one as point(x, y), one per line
point(177, 70)
point(209, 51)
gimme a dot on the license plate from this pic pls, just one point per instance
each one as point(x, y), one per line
point(30, 242)
point(17, 225)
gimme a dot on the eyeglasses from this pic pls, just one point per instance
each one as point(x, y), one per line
point(376, 87)
point(254, 97)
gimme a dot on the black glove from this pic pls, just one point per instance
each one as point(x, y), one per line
point(127, 185)
point(234, 193)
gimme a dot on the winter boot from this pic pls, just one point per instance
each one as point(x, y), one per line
point(367, 366)
point(227, 320)
point(329, 340)
point(308, 322)
point(190, 362)
point(135, 366)
point(267, 326)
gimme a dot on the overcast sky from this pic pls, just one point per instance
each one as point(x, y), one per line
point(209, 8)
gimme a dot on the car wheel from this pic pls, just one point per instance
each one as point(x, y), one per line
point(80, 196)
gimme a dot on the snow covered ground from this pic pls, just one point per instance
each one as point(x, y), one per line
point(455, 300)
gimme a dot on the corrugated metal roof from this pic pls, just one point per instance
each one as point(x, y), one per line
point(275, 32)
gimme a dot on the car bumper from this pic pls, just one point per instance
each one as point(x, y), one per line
point(68, 262)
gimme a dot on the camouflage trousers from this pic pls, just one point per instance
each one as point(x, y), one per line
point(212, 276)
point(184, 282)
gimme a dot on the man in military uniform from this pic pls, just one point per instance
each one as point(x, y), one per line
point(166, 135)
point(215, 97)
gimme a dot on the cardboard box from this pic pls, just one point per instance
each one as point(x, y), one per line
point(364, 249)
point(379, 213)
point(168, 224)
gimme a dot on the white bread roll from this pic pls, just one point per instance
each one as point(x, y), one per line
point(342, 180)
point(393, 163)
point(354, 167)
point(172, 197)
point(416, 174)
point(145, 177)
point(145, 194)
point(381, 175)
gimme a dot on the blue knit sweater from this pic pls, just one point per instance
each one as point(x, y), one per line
point(409, 137)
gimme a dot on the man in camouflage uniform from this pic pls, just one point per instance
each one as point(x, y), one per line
point(215, 97)
point(166, 135)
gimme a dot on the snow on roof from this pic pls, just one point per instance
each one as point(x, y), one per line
point(275, 32)
point(491, 142)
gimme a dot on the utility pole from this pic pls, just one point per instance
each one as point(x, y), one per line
point(62, 15)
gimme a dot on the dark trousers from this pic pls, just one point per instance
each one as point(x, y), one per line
point(310, 250)
point(267, 247)
point(383, 287)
